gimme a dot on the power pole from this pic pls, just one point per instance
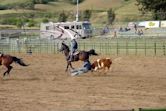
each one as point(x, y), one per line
point(77, 12)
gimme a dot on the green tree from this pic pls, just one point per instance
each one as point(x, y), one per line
point(62, 17)
point(87, 15)
point(157, 7)
point(42, 1)
point(45, 20)
point(31, 23)
point(111, 16)
point(19, 23)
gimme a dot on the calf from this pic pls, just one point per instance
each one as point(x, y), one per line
point(101, 64)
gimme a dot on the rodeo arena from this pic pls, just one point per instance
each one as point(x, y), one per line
point(126, 67)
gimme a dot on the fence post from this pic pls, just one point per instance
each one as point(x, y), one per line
point(117, 48)
point(100, 47)
point(57, 44)
point(47, 47)
point(54, 46)
point(106, 46)
point(145, 47)
point(84, 45)
point(164, 48)
point(135, 47)
point(40, 46)
point(155, 48)
point(109, 44)
point(127, 47)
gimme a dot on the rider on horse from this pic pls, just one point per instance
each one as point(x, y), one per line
point(74, 47)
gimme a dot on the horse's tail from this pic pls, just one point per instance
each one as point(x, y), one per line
point(19, 61)
point(92, 52)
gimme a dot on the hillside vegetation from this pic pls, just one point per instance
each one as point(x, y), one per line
point(6, 2)
point(125, 10)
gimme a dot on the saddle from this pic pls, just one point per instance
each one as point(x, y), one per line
point(71, 58)
point(76, 52)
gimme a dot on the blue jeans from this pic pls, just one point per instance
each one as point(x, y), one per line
point(79, 71)
point(71, 54)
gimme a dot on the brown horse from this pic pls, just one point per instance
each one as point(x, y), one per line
point(82, 55)
point(7, 60)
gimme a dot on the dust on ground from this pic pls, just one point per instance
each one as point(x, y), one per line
point(132, 82)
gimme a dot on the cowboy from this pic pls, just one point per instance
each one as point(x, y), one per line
point(74, 47)
point(86, 67)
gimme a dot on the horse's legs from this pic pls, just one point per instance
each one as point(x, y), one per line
point(71, 65)
point(8, 70)
point(67, 66)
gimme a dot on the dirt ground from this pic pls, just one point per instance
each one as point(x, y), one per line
point(133, 82)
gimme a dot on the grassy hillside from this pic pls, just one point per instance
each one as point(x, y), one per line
point(87, 4)
point(5, 2)
point(64, 5)
point(125, 11)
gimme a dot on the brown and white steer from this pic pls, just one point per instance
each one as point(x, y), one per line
point(102, 63)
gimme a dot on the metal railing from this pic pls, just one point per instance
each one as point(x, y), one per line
point(146, 47)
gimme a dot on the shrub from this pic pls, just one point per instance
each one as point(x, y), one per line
point(62, 17)
point(3, 7)
point(45, 20)
point(87, 15)
point(111, 16)
point(31, 23)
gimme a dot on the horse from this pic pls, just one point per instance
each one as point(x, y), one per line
point(103, 63)
point(81, 55)
point(7, 60)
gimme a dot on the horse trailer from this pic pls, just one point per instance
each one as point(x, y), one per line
point(64, 30)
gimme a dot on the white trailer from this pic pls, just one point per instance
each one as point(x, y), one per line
point(65, 30)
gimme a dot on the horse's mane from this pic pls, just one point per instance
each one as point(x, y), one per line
point(65, 46)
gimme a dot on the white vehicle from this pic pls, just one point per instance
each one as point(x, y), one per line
point(64, 30)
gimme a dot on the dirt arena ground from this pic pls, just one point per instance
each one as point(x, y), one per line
point(133, 82)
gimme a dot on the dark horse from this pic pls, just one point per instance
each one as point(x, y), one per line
point(7, 60)
point(82, 55)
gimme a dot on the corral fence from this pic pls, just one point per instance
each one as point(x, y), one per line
point(108, 46)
